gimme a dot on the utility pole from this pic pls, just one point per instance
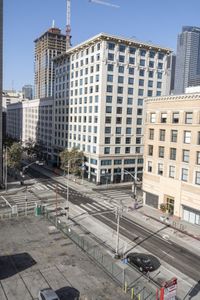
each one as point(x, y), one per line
point(119, 211)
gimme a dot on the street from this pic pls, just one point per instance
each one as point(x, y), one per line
point(179, 258)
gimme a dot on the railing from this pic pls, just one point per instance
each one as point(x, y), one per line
point(134, 283)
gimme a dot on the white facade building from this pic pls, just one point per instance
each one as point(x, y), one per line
point(10, 97)
point(31, 120)
point(98, 102)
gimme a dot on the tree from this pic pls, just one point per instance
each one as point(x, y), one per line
point(15, 156)
point(74, 159)
point(8, 141)
point(33, 149)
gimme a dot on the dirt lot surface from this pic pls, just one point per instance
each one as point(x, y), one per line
point(32, 258)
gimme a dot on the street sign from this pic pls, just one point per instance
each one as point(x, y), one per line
point(168, 291)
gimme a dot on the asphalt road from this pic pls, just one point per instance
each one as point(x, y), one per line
point(180, 258)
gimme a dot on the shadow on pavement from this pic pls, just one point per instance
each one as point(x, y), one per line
point(13, 264)
point(68, 293)
point(195, 290)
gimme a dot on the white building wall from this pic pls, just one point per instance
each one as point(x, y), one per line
point(89, 103)
point(31, 120)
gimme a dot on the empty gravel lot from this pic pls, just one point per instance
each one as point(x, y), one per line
point(31, 258)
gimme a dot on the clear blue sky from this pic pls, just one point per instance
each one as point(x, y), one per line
point(158, 21)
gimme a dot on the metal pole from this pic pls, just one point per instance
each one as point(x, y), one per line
point(67, 202)
point(6, 170)
point(117, 238)
point(82, 170)
point(26, 199)
point(56, 201)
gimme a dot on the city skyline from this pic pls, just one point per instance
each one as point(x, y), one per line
point(21, 28)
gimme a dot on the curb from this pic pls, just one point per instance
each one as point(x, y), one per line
point(169, 225)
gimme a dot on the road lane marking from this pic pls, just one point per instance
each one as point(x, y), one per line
point(168, 254)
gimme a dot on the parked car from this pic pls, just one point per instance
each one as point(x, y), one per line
point(47, 294)
point(144, 262)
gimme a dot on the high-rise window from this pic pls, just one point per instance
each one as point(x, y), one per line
point(152, 118)
point(160, 169)
point(184, 174)
point(188, 117)
point(162, 135)
point(198, 158)
point(186, 155)
point(161, 150)
point(117, 140)
point(110, 67)
point(151, 133)
point(127, 150)
point(187, 137)
point(106, 150)
point(107, 140)
point(150, 150)
point(117, 150)
point(163, 118)
point(173, 153)
point(111, 46)
point(149, 166)
point(174, 134)
point(175, 117)
point(197, 178)
point(172, 171)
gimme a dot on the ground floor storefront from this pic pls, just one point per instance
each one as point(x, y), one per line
point(191, 215)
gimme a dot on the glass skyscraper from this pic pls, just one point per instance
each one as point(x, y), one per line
point(187, 59)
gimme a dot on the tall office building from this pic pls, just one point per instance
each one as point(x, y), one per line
point(47, 46)
point(98, 102)
point(187, 59)
point(27, 91)
point(1, 69)
point(172, 155)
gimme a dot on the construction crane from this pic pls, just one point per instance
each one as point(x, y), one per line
point(68, 25)
point(104, 3)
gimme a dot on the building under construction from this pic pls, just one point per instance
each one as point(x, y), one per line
point(47, 46)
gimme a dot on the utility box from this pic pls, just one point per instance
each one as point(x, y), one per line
point(38, 210)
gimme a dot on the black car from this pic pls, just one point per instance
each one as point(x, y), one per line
point(144, 262)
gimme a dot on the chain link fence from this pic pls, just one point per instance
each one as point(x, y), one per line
point(135, 284)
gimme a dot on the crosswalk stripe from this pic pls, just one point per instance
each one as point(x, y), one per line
point(86, 207)
point(39, 188)
point(108, 204)
point(92, 206)
point(51, 187)
point(102, 205)
point(43, 186)
point(62, 186)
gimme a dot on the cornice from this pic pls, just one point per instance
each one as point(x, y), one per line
point(117, 39)
point(192, 96)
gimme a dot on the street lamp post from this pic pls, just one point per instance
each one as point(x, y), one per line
point(37, 162)
point(134, 182)
point(67, 200)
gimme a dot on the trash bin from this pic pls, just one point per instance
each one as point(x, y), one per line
point(38, 210)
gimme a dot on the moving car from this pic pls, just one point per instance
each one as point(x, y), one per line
point(47, 294)
point(144, 262)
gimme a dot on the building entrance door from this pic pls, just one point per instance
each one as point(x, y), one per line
point(170, 204)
